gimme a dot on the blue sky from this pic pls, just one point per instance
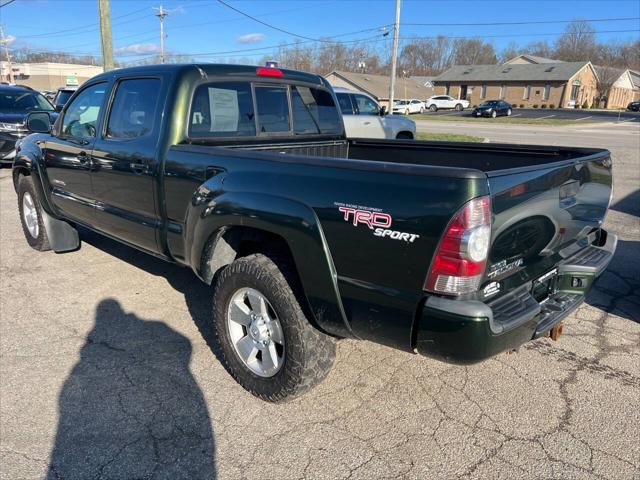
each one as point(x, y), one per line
point(209, 31)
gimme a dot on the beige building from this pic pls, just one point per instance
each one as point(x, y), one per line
point(537, 85)
point(378, 86)
point(48, 75)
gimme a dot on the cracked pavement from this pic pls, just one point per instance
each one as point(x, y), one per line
point(106, 373)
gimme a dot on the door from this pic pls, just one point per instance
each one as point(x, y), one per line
point(125, 166)
point(463, 92)
point(369, 120)
point(449, 102)
point(349, 117)
point(68, 154)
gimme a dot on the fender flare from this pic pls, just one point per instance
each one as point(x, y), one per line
point(294, 222)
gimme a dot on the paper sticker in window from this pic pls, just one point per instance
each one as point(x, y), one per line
point(224, 110)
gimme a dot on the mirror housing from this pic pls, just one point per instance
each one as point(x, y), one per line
point(39, 122)
point(383, 111)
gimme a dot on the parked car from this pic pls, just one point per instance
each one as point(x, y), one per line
point(363, 117)
point(49, 94)
point(407, 107)
point(493, 109)
point(244, 174)
point(439, 102)
point(15, 104)
point(634, 106)
point(62, 97)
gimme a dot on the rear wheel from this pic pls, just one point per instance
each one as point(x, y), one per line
point(509, 112)
point(31, 215)
point(433, 108)
point(268, 345)
point(421, 109)
point(404, 136)
point(459, 107)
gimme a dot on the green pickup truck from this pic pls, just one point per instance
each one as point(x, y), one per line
point(450, 250)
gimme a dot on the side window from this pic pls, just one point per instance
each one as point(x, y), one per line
point(133, 111)
point(345, 103)
point(222, 109)
point(273, 109)
point(366, 106)
point(81, 117)
point(313, 111)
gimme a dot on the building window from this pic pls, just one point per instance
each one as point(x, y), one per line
point(527, 93)
point(503, 91)
point(483, 91)
point(547, 91)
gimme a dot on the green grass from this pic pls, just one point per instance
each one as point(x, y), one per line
point(510, 120)
point(447, 137)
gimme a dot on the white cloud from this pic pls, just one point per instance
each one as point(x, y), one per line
point(8, 40)
point(139, 48)
point(251, 38)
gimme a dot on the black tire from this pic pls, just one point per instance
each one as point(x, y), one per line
point(40, 241)
point(308, 353)
point(404, 136)
point(459, 107)
point(433, 108)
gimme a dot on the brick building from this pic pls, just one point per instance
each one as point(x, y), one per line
point(48, 75)
point(545, 85)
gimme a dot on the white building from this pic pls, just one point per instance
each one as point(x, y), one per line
point(48, 75)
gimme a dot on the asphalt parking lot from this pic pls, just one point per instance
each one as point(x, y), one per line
point(106, 371)
point(556, 113)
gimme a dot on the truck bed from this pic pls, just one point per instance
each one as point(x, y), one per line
point(488, 158)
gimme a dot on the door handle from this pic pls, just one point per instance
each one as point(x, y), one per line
point(139, 168)
point(367, 123)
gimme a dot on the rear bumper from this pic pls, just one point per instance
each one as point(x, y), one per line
point(470, 331)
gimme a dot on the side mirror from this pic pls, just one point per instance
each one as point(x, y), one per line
point(383, 111)
point(39, 122)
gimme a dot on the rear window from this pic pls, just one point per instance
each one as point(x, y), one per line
point(222, 110)
point(313, 111)
point(273, 109)
point(226, 109)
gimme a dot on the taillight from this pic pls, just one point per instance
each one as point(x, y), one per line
point(269, 72)
point(459, 262)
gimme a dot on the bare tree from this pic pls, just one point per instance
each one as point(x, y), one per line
point(607, 76)
point(578, 43)
point(541, 49)
point(473, 52)
point(512, 50)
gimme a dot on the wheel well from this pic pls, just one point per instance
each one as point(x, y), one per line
point(231, 243)
point(16, 175)
point(405, 135)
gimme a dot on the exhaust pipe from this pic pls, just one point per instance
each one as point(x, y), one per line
point(555, 332)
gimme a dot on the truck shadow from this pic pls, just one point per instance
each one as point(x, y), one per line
point(617, 290)
point(629, 204)
point(130, 408)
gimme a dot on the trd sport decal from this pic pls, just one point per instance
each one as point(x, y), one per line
point(375, 219)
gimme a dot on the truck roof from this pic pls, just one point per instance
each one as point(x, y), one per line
point(214, 69)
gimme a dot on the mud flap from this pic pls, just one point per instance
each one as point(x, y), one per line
point(62, 236)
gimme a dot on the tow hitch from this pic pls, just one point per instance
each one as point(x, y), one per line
point(555, 332)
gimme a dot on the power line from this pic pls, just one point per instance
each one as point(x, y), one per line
point(8, 2)
point(534, 22)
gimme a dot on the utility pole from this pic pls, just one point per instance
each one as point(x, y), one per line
point(161, 14)
point(104, 11)
point(5, 43)
point(394, 55)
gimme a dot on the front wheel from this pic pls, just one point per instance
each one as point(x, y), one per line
point(433, 108)
point(268, 345)
point(31, 215)
point(509, 112)
point(421, 109)
point(494, 114)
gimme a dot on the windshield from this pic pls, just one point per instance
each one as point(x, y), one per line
point(63, 96)
point(18, 101)
point(491, 103)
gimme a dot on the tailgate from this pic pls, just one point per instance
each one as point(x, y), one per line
point(543, 214)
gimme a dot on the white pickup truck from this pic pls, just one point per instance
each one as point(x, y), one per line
point(438, 102)
point(363, 117)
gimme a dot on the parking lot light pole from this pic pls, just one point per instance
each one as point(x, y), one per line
point(394, 56)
